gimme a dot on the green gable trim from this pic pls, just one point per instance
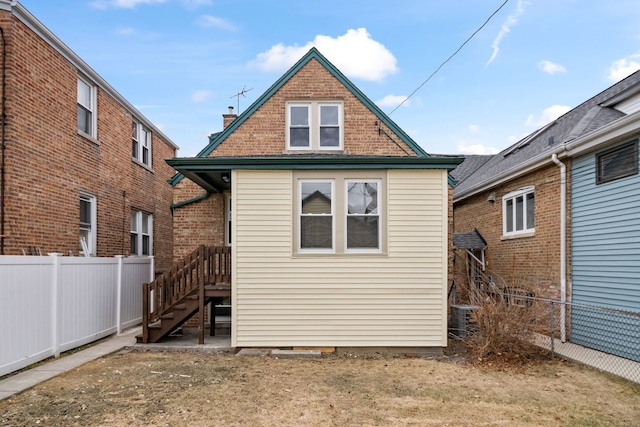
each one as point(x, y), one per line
point(217, 138)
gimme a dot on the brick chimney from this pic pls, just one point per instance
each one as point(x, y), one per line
point(228, 118)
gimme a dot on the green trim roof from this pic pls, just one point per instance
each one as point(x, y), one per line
point(217, 138)
point(209, 172)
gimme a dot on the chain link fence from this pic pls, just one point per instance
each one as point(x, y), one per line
point(603, 338)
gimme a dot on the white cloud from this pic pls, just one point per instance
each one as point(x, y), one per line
point(393, 101)
point(465, 147)
point(125, 32)
point(505, 29)
point(200, 95)
point(547, 116)
point(355, 53)
point(474, 128)
point(551, 68)
point(125, 4)
point(624, 67)
point(209, 21)
point(194, 4)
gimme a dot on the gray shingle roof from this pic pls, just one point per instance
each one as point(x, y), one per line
point(470, 240)
point(470, 165)
point(586, 117)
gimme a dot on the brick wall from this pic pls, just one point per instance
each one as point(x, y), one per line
point(533, 262)
point(48, 163)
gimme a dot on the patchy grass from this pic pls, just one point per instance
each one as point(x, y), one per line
point(176, 389)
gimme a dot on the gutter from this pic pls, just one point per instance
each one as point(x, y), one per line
point(563, 244)
point(188, 202)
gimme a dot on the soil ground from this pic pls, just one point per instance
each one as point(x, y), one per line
point(133, 388)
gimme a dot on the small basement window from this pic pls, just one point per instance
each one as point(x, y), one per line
point(616, 163)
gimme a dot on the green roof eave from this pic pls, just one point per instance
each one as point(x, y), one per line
point(313, 163)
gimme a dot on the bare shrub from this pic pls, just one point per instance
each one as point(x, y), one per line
point(505, 327)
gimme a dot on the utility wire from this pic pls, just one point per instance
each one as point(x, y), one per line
point(451, 57)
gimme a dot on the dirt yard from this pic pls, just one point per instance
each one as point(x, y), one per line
point(195, 389)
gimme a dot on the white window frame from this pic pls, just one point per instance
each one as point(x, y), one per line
point(300, 215)
point(377, 215)
point(91, 229)
point(137, 223)
point(91, 107)
point(513, 196)
point(141, 137)
point(314, 109)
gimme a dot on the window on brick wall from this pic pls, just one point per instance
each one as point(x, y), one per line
point(314, 125)
point(140, 143)
point(87, 224)
point(87, 108)
point(518, 212)
point(141, 233)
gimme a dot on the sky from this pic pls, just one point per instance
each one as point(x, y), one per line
point(182, 63)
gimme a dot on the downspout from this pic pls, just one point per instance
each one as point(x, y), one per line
point(3, 118)
point(563, 244)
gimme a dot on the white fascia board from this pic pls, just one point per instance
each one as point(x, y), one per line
point(517, 171)
point(27, 18)
point(615, 131)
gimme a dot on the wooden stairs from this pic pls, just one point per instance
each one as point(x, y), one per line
point(200, 278)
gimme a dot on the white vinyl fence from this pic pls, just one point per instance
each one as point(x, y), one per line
point(51, 304)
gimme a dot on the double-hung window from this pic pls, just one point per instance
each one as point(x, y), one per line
point(363, 215)
point(141, 233)
point(518, 212)
point(87, 224)
point(314, 125)
point(140, 143)
point(316, 215)
point(87, 107)
point(339, 213)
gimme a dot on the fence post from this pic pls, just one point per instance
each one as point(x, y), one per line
point(120, 260)
point(552, 331)
point(55, 303)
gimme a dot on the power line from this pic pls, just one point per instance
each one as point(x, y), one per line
point(450, 57)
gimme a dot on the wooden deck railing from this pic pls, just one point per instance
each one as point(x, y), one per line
point(189, 276)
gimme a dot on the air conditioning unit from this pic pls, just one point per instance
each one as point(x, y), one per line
point(460, 322)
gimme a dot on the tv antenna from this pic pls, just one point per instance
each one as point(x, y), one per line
point(237, 95)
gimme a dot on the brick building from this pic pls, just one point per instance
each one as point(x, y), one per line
point(78, 159)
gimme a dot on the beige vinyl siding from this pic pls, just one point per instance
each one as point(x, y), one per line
point(391, 299)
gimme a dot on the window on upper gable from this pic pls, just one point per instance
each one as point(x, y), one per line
point(141, 143)
point(616, 163)
point(87, 107)
point(518, 212)
point(314, 125)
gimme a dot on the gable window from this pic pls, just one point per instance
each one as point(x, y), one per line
point(363, 216)
point(314, 125)
point(518, 212)
point(141, 233)
point(616, 163)
point(140, 143)
point(87, 224)
point(87, 108)
point(316, 215)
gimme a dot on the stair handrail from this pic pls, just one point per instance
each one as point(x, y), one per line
point(205, 265)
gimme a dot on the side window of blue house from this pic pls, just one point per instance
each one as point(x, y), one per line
point(618, 162)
